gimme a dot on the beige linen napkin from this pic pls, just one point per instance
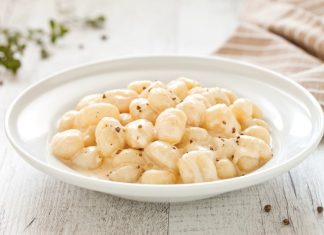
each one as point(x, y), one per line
point(286, 36)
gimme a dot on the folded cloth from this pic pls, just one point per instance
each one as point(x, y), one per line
point(285, 36)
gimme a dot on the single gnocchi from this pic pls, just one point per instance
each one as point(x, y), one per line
point(170, 125)
point(110, 136)
point(66, 122)
point(127, 174)
point(251, 153)
point(152, 132)
point(162, 155)
point(223, 147)
point(93, 113)
point(154, 176)
point(197, 166)
point(88, 158)
point(67, 143)
point(121, 98)
point(225, 169)
point(140, 108)
point(190, 83)
point(87, 100)
point(179, 88)
point(194, 138)
point(220, 120)
point(89, 137)
point(128, 157)
point(194, 106)
point(160, 99)
point(258, 132)
point(147, 90)
point(245, 110)
point(139, 133)
point(139, 86)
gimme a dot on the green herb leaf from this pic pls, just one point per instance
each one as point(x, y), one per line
point(96, 22)
point(13, 43)
point(57, 30)
point(44, 53)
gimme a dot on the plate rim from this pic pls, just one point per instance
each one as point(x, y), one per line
point(243, 181)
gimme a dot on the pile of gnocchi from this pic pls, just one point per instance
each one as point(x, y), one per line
point(156, 133)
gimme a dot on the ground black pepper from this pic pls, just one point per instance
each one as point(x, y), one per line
point(320, 209)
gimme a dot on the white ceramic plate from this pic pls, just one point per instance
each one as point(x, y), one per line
point(295, 117)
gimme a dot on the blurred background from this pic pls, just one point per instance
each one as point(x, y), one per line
point(132, 28)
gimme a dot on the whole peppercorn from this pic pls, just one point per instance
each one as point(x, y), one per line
point(285, 221)
point(267, 208)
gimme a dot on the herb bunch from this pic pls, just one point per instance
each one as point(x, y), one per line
point(14, 42)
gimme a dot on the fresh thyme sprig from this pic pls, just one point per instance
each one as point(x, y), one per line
point(14, 42)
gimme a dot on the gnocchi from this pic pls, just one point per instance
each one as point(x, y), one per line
point(121, 98)
point(139, 133)
point(156, 133)
point(162, 155)
point(93, 113)
point(197, 166)
point(67, 143)
point(140, 108)
point(88, 158)
point(170, 125)
point(160, 99)
point(194, 106)
point(66, 122)
point(110, 136)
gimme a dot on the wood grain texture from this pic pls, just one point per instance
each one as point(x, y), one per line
point(33, 203)
point(294, 195)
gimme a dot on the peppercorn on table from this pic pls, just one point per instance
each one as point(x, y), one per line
point(34, 203)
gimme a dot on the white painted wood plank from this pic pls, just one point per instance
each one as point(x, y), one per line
point(294, 195)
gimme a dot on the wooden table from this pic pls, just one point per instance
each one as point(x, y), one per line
point(34, 203)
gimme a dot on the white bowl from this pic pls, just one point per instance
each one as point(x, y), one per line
point(295, 117)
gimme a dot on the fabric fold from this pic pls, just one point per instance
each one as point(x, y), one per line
point(285, 36)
